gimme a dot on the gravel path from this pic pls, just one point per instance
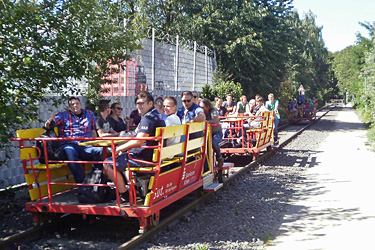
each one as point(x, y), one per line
point(335, 207)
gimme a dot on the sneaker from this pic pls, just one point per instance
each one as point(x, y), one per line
point(124, 197)
point(220, 163)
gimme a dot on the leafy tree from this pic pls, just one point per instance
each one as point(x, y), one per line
point(309, 61)
point(262, 45)
point(45, 44)
point(223, 85)
point(208, 92)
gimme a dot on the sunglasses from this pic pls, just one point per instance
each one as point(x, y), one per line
point(141, 103)
point(118, 108)
point(186, 101)
point(195, 96)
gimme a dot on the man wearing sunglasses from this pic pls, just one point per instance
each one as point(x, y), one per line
point(190, 112)
point(150, 120)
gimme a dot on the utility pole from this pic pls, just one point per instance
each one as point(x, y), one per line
point(365, 92)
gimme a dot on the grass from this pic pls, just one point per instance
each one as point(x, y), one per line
point(249, 230)
point(368, 120)
point(201, 248)
point(267, 239)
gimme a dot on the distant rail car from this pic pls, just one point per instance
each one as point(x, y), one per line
point(175, 171)
point(336, 101)
point(301, 113)
point(247, 135)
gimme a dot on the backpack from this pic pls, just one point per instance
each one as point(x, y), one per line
point(225, 144)
point(93, 194)
point(54, 150)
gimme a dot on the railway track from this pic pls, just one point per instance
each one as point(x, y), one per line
point(133, 239)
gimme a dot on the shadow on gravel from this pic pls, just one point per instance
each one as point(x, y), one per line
point(293, 158)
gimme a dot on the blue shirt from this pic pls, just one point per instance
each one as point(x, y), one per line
point(72, 126)
point(148, 124)
point(192, 112)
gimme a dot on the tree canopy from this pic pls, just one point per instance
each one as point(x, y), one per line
point(260, 46)
point(45, 44)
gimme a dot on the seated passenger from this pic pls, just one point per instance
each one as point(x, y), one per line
point(103, 126)
point(300, 106)
point(255, 123)
point(219, 106)
point(252, 104)
point(159, 106)
point(256, 108)
point(135, 118)
point(292, 108)
point(309, 106)
point(273, 105)
point(196, 97)
point(253, 111)
point(73, 123)
point(190, 112)
point(170, 107)
point(117, 123)
point(150, 120)
point(212, 116)
point(243, 107)
point(230, 105)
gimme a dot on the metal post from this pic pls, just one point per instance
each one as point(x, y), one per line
point(206, 62)
point(176, 65)
point(366, 93)
point(153, 60)
point(194, 63)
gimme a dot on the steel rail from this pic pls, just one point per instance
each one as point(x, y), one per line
point(35, 233)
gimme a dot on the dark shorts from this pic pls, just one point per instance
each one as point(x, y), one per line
point(122, 162)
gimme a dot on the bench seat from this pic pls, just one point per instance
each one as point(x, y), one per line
point(36, 173)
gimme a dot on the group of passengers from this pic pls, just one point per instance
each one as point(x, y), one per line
point(252, 109)
point(301, 108)
point(77, 122)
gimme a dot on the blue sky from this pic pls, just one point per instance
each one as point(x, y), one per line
point(339, 19)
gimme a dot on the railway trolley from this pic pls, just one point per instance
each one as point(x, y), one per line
point(247, 135)
point(175, 171)
point(304, 112)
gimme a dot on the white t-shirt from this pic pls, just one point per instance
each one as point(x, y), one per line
point(173, 120)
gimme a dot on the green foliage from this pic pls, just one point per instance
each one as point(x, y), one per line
point(208, 92)
point(45, 44)
point(262, 45)
point(223, 86)
point(355, 71)
point(309, 62)
point(247, 38)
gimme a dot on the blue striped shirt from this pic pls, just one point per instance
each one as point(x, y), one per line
point(72, 126)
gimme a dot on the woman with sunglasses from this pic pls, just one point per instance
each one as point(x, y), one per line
point(116, 122)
